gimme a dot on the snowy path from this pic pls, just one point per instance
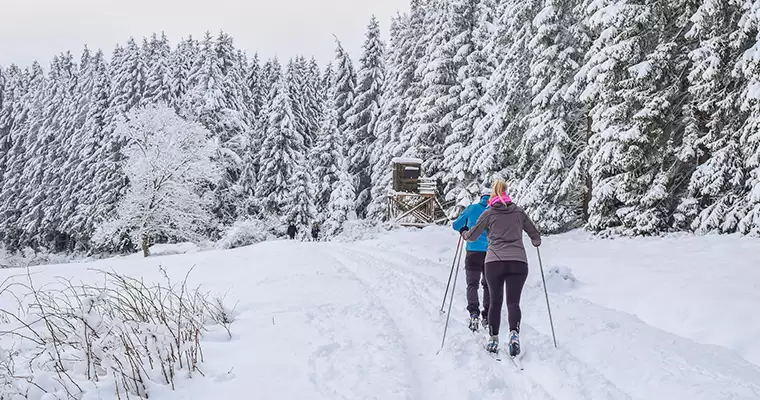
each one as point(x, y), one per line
point(361, 321)
point(613, 355)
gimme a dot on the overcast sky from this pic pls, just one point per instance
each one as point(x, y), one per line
point(39, 29)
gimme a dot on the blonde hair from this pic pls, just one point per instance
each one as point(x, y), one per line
point(499, 187)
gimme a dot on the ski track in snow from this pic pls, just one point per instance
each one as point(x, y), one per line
point(603, 353)
point(575, 381)
point(361, 321)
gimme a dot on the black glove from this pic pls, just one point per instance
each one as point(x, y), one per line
point(464, 229)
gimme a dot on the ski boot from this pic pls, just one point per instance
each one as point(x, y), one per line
point(484, 322)
point(474, 322)
point(514, 344)
point(493, 344)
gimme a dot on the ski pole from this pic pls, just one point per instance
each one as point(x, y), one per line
point(456, 255)
point(546, 293)
point(451, 301)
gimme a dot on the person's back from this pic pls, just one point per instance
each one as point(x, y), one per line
point(504, 226)
point(469, 217)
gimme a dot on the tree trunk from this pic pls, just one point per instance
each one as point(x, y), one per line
point(146, 251)
point(589, 182)
point(587, 197)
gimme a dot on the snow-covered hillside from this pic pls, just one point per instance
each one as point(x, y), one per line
point(666, 318)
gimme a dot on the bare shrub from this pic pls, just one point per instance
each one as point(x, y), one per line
point(123, 333)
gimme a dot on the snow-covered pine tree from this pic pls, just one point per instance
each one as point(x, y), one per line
point(182, 61)
point(281, 156)
point(205, 96)
point(167, 161)
point(248, 173)
point(255, 83)
point(243, 68)
point(7, 102)
point(418, 34)
point(158, 82)
point(344, 85)
point(326, 80)
point(46, 143)
point(216, 100)
point(326, 157)
point(361, 118)
point(507, 97)
point(390, 103)
point(94, 186)
point(128, 74)
point(13, 121)
point(271, 74)
point(3, 82)
point(434, 111)
point(298, 206)
point(23, 136)
point(295, 74)
point(713, 120)
point(473, 20)
point(340, 208)
point(749, 66)
point(76, 115)
point(14, 89)
point(555, 124)
point(631, 78)
point(400, 96)
point(313, 100)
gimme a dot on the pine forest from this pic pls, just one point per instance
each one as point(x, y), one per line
point(626, 117)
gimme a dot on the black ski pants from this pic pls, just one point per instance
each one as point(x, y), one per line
point(474, 265)
point(514, 274)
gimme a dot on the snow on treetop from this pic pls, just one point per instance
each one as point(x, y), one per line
point(406, 160)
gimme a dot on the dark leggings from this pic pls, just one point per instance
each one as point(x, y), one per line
point(514, 273)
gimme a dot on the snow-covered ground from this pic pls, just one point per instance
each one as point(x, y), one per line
point(646, 318)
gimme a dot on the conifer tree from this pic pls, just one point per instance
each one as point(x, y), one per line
point(361, 118)
point(472, 21)
point(281, 155)
point(555, 128)
point(344, 85)
point(327, 157)
point(158, 83)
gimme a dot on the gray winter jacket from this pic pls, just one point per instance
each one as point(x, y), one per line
point(504, 225)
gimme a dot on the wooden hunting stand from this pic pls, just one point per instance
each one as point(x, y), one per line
point(413, 201)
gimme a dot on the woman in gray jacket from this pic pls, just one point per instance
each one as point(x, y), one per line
point(506, 262)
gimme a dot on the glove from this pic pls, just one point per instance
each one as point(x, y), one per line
point(536, 242)
point(464, 229)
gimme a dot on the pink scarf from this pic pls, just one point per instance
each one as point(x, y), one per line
point(502, 198)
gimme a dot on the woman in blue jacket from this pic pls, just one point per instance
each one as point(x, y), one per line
point(475, 260)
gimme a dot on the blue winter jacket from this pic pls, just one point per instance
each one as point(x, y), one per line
point(468, 218)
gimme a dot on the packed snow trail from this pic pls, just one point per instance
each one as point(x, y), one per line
point(600, 349)
point(361, 321)
point(413, 295)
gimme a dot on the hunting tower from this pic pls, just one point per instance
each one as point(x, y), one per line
point(413, 201)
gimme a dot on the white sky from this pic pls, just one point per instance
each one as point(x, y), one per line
point(39, 29)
